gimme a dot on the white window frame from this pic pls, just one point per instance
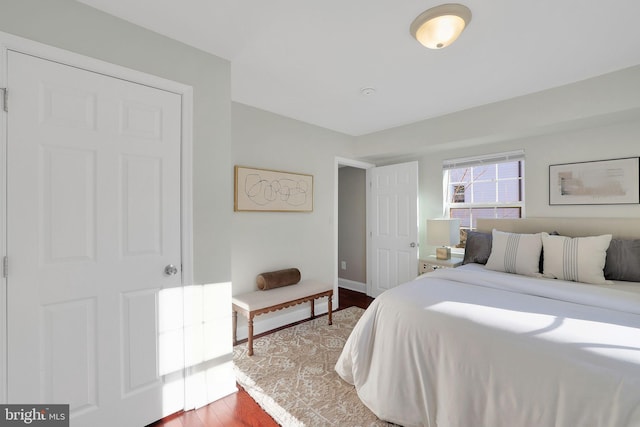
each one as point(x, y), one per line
point(496, 158)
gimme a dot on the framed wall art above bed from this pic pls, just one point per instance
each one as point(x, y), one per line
point(603, 182)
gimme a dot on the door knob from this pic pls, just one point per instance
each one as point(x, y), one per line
point(412, 244)
point(170, 270)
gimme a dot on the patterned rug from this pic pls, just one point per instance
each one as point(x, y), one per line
point(291, 374)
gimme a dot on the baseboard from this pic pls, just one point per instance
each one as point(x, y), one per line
point(352, 285)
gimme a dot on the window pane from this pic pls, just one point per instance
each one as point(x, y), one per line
point(481, 213)
point(457, 193)
point(459, 175)
point(464, 215)
point(509, 170)
point(508, 213)
point(509, 191)
point(484, 173)
point(484, 192)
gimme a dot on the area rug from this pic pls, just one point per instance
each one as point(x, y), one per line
point(291, 374)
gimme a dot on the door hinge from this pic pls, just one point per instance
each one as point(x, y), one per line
point(5, 267)
point(5, 99)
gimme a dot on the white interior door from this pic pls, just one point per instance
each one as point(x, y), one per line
point(93, 214)
point(393, 226)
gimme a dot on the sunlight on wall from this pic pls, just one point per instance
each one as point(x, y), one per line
point(170, 330)
point(195, 345)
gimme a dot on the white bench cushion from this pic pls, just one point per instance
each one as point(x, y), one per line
point(260, 299)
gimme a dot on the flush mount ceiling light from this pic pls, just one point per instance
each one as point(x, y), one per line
point(368, 91)
point(440, 26)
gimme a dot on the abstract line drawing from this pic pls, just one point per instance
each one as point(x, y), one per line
point(614, 181)
point(272, 191)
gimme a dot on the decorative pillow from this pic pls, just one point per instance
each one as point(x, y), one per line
point(515, 253)
point(578, 259)
point(277, 279)
point(623, 260)
point(478, 247)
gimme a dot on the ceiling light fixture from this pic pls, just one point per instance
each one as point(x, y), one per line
point(367, 91)
point(440, 26)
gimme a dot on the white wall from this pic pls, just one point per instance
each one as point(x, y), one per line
point(600, 100)
point(267, 241)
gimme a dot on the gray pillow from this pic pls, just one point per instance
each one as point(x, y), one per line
point(478, 247)
point(623, 260)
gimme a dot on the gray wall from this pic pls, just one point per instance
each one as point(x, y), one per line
point(73, 26)
point(352, 229)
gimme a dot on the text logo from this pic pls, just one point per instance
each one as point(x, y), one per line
point(34, 415)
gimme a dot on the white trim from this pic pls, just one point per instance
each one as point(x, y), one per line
point(30, 47)
point(9, 42)
point(464, 162)
point(342, 161)
point(3, 231)
point(352, 285)
point(490, 159)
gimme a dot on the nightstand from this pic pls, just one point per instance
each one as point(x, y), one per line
point(432, 263)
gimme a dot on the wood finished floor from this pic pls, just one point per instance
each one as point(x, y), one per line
point(239, 409)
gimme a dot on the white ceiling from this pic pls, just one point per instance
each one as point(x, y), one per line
point(309, 60)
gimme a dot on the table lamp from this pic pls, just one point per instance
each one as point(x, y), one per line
point(443, 233)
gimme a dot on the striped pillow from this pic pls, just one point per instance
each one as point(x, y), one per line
point(577, 259)
point(515, 253)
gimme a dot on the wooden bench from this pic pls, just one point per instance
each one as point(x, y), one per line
point(252, 304)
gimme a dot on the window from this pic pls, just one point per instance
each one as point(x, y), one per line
point(484, 187)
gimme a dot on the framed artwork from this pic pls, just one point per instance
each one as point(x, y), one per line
point(602, 182)
point(272, 191)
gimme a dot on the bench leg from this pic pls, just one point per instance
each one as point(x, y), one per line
point(313, 309)
point(250, 336)
point(235, 327)
point(329, 307)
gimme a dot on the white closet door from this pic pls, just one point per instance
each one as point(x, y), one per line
point(394, 225)
point(93, 213)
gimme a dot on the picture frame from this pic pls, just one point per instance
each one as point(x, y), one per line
point(269, 190)
point(599, 182)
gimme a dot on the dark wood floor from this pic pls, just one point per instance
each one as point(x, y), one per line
point(239, 409)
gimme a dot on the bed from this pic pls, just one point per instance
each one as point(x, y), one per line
point(477, 346)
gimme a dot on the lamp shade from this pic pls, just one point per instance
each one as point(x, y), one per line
point(443, 232)
point(440, 26)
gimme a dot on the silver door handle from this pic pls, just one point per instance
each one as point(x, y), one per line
point(170, 270)
point(412, 244)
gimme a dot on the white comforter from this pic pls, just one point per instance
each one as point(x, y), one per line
point(470, 348)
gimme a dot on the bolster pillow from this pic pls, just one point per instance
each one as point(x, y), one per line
point(277, 279)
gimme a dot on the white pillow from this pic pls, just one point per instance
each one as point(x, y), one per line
point(578, 259)
point(515, 253)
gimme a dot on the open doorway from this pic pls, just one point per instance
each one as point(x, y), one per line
point(352, 229)
point(351, 224)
